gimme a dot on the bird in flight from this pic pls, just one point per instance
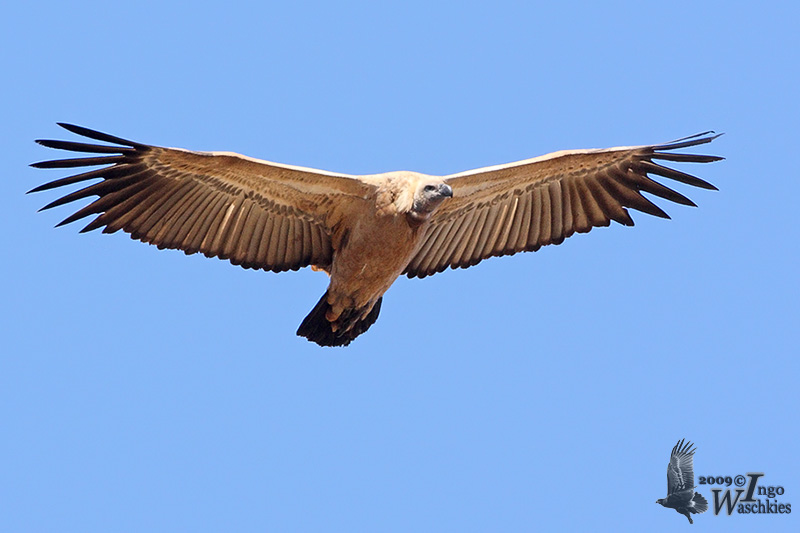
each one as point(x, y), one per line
point(680, 483)
point(364, 231)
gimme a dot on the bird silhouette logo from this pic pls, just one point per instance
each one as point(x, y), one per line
point(680, 483)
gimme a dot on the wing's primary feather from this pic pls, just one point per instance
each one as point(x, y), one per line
point(255, 213)
point(522, 206)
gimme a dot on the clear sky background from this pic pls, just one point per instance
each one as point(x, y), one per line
point(143, 390)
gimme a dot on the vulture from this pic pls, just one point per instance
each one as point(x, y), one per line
point(680, 483)
point(364, 231)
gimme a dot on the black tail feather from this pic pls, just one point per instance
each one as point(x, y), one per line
point(700, 503)
point(317, 328)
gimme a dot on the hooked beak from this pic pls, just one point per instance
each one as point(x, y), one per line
point(445, 190)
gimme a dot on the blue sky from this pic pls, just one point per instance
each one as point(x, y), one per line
point(143, 390)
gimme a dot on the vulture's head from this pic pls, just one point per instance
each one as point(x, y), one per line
point(662, 501)
point(428, 196)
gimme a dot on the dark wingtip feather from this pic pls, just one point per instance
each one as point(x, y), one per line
point(100, 136)
point(79, 162)
point(670, 173)
point(59, 201)
point(661, 214)
point(98, 222)
point(46, 187)
point(685, 158)
point(691, 140)
point(106, 172)
point(40, 188)
point(83, 147)
point(63, 222)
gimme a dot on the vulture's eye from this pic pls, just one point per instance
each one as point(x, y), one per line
point(430, 188)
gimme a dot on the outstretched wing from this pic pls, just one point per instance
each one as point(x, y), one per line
point(522, 206)
point(680, 471)
point(255, 213)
